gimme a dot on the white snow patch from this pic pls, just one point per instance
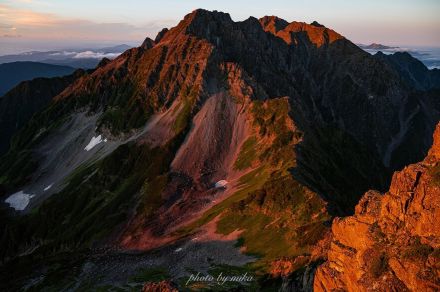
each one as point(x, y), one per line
point(19, 200)
point(93, 142)
point(221, 183)
point(178, 249)
point(48, 187)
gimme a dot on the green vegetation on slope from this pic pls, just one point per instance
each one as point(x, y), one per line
point(182, 119)
point(247, 154)
point(282, 219)
point(277, 216)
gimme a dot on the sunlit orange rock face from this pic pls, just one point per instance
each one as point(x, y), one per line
point(295, 32)
point(163, 286)
point(392, 243)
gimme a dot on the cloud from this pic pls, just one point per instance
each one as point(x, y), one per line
point(86, 54)
point(11, 36)
point(391, 50)
point(45, 26)
point(24, 17)
point(7, 30)
point(95, 55)
point(63, 53)
point(34, 2)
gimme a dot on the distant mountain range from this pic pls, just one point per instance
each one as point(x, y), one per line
point(13, 73)
point(78, 58)
point(29, 65)
point(429, 56)
point(375, 46)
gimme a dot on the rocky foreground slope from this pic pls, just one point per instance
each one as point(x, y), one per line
point(392, 243)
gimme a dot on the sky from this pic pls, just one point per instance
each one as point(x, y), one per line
point(55, 24)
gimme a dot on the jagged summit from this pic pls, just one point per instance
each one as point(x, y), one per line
point(317, 34)
point(160, 35)
point(317, 24)
point(199, 16)
point(147, 43)
point(103, 62)
point(292, 32)
point(376, 46)
point(273, 23)
point(212, 24)
point(199, 22)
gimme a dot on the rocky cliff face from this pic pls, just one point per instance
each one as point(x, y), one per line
point(392, 241)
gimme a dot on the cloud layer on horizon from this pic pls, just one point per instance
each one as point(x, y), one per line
point(86, 54)
point(31, 25)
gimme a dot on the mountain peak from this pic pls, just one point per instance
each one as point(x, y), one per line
point(201, 15)
point(273, 23)
point(293, 33)
point(210, 24)
point(317, 33)
point(147, 44)
point(104, 61)
point(317, 24)
point(160, 35)
point(376, 46)
point(199, 22)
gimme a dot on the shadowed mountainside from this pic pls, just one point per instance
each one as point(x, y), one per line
point(29, 97)
point(413, 71)
point(13, 73)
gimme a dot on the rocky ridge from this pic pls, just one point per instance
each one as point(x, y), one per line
point(392, 241)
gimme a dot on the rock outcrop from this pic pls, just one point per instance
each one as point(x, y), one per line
point(163, 286)
point(392, 243)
